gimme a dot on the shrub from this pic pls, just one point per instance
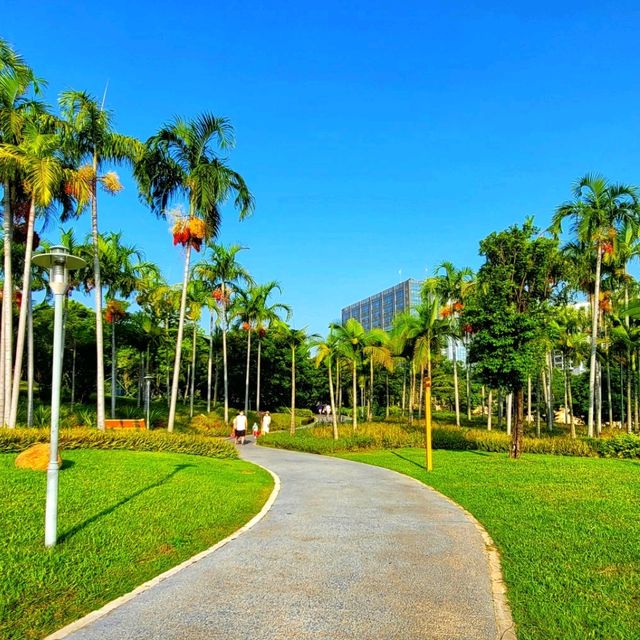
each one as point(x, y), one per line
point(15, 440)
point(624, 445)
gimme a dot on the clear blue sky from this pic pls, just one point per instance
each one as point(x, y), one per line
point(378, 138)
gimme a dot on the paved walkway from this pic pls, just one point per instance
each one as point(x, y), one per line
point(347, 551)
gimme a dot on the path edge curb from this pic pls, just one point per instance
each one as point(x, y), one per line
point(501, 608)
point(118, 602)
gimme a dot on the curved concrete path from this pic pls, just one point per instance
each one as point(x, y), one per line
point(346, 551)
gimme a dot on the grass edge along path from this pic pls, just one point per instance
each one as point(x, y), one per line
point(566, 528)
point(124, 518)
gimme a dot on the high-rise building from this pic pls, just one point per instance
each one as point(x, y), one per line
point(379, 310)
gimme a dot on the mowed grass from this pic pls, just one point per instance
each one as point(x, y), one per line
point(568, 531)
point(124, 517)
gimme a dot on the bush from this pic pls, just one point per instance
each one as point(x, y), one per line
point(15, 440)
point(625, 445)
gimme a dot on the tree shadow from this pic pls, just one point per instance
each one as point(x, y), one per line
point(67, 464)
point(413, 462)
point(105, 512)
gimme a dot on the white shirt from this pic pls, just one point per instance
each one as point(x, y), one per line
point(240, 423)
point(266, 421)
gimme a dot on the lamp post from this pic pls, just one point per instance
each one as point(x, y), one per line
point(59, 262)
point(147, 398)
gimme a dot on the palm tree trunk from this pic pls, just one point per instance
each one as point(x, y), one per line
point(412, 391)
point(509, 412)
point(292, 428)
point(176, 364)
point(22, 320)
point(609, 401)
point(333, 404)
point(2, 350)
point(258, 373)
point(420, 391)
point(500, 407)
point(386, 413)
point(635, 404)
point(571, 417)
point(354, 417)
point(210, 363)
point(538, 416)
point(622, 417)
point(629, 384)
point(598, 399)
point(550, 415)
point(594, 340)
point(215, 383)
point(167, 363)
point(529, 415)
point(370, 408)
point(566, 397)
point(73, 375)
point(193, 367)
point(489, 409)
point(404, 388)
point(246, 380)
point(468, 376)
point(114, 370)
point(100, 404)
point(225, 376)
point(30, 362)
point(7, 309)
point(456, 393)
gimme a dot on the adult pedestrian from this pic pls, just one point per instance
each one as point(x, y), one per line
point(240, 427)
point(266, 423)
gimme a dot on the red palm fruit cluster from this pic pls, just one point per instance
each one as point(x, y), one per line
point(220, 297)
point(262, 332)
point(458, 306)
point(18, 298)
point(605, 303)
point(467, 328)
point(246, 326)
point(191, 231)
point(446, 312)
point(606, 248)
point(115, 311)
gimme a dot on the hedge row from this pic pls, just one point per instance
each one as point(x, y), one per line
point(15, 440)
point(454, 438)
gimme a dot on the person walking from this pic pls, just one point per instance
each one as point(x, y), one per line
point(240, 427)
point(266, 423)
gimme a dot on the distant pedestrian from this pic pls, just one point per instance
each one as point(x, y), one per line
point(240, 427)
point(255, 430)
point(266, 423)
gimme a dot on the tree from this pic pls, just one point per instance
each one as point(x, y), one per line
point(88, 138)
point(223, 274)
point(597, 211)
point(180, 162)
point(326, 353)
point(508, 312)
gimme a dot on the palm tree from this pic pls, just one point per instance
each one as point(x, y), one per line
point(597, 211)
point(256, 314)
point(121, 271)
point(37, 161)
point(377, 352)
point(18, 87)
point(88, 138)
point(181, 162)
point(351, 339)
point(453, 285)
point(327, 354)
point(223, 273)
point(298, 340)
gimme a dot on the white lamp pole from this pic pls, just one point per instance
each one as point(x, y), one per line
point(59, 262)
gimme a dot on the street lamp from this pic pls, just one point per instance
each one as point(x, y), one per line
point(147, 398)
point(59, 262)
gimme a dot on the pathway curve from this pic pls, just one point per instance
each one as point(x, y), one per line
point(348, 551)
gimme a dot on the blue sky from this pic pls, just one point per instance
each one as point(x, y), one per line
point(379, 139)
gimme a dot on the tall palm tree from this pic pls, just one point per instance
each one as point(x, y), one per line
point(326, 354)
point(89, 139)
point(298, 341)
point(597, 211)
point(453, 285)
point(376, 352)
point(351, 339)
point(18, 88)
point(256, 314)
point(182, 162)
point(223, 273)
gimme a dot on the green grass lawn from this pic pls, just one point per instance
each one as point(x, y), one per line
point(124, 517)
point(568, 530)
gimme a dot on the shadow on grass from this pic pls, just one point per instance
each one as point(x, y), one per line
point(413, 462)
point(105, 512)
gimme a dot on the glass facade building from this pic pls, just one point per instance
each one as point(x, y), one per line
point(379, 310)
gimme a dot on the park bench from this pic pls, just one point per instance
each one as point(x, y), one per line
point(124, 423)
